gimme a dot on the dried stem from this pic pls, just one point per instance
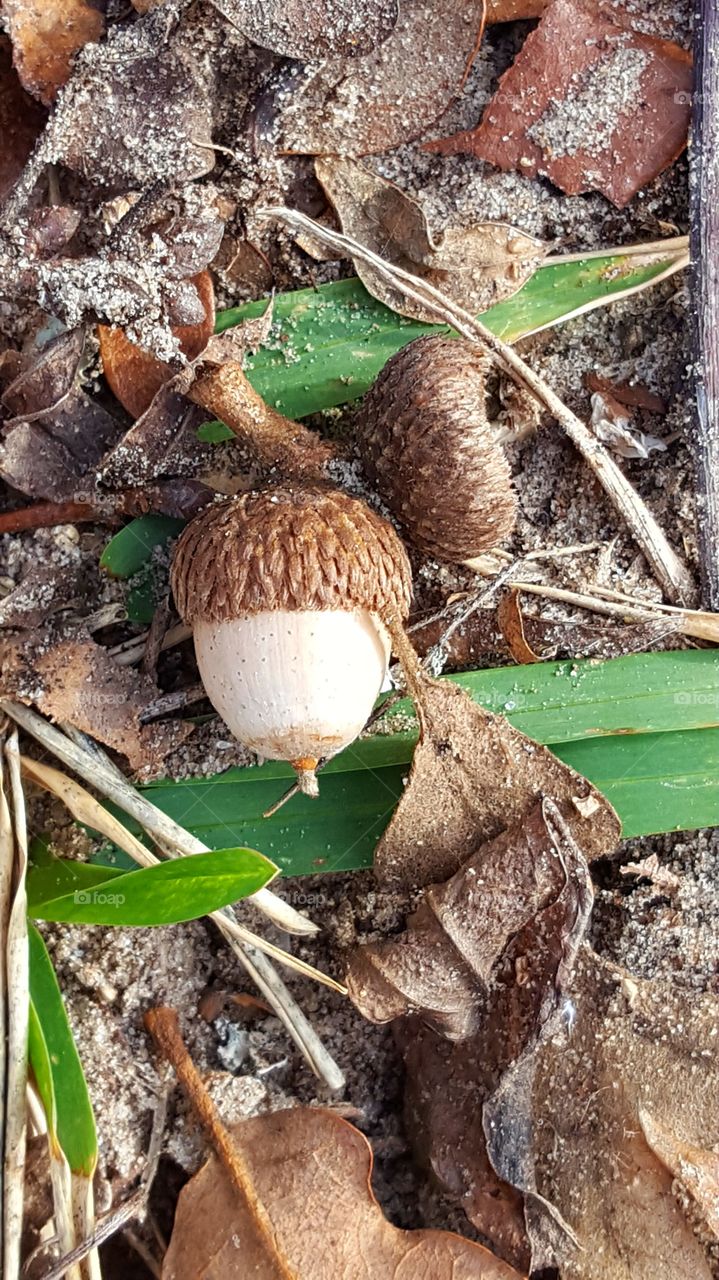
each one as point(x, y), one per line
point(163, 1025)
point(705, 291)
point(225, 391)
point(15, 966)
point(671, 572)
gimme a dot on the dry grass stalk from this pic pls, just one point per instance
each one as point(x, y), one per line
point(14, 964)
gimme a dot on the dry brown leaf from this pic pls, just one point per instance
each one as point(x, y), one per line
point(154, 444)
point(46, 35)
point(69, 678)
point(357, 107)
point(588, 103)
point(511, 622)
point(137, 110)
point(485, 960)
point(325, 29)
point(661, 877)
point(695, 1167)
point(565, 1125)
point(135, 375)
point(473, 775)
point(514, 10)
point(476, 266)
point(21, 121)
point(311, 1172)
point(443, 967)
point(57, 433)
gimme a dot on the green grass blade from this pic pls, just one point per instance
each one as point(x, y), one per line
point(127, 553)
point(56, 1065)
point(643, 728)
point(182, 889)
point(328, 344)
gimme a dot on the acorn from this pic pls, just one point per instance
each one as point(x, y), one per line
point(427, 445)
point(287, 590)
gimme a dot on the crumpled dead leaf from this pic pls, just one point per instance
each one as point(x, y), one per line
point(588, 103)
point(355, 107)
point(473, 775)
point(311, 1172)
point(160, 435)
point(511, 622)
point(565, 1125)
point(695, 1167)
point(44, 590)
point(327, 28)
point(484, 962)
point(613, 409)
point(57, 434)
point(134, 374)
point(21, 121)
point(68, 677)
point(476, 266)
point(136, 110)
point(46, 35)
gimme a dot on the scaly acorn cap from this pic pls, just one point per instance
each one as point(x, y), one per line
point(289, 547)
point(426, 443)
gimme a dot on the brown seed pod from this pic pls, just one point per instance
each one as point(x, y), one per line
point(287, 590)
point(428, 446)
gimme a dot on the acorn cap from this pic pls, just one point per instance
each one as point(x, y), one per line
point(289, 547)
point(427, 445)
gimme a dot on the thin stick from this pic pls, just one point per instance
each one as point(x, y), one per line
point(16, 968)
point(704, 191)
point(90, 767)
point(163, 1025)
point(671, 572)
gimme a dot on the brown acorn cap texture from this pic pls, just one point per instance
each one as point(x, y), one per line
point(289, 547)
point(426, 443)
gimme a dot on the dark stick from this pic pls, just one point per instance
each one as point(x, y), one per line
point(705, 288)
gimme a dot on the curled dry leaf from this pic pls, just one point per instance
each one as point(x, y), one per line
point(355, 107)
point(46, 35)
point(57, 433)
point(443, 966)
point(21, 121)
point(155, 444)
point(136, 111)
point(69, 678)
point(484, 960)
point(476, 266)
point(613, 409)
point(327, 28)
point(310, 1171)
point(135, 375)
point(511, 622)
point(588, 103)
point(44, 590)
point(565, 1125)
point(473, 775)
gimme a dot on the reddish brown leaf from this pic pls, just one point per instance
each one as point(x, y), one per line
point(46, 35)
point(588, 103)
point(21, 121)
point(327, 28)
point(511, 621)
point(311, 1172)
point(356, 107)
point(473, 775)
point(512, 10)
point(135, 375)
point(477, 266)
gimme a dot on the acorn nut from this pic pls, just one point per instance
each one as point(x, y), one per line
point(287, 590)
point(429, 448)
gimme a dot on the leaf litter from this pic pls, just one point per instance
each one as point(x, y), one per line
point(538, 1085)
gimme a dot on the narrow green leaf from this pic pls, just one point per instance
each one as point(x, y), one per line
point(181, 889)
point(129, 550)
point(328, 344)
point(643, 728)
point(56, 1065)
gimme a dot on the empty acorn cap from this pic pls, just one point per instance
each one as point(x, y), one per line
point(290, 547)
point(426, 443)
